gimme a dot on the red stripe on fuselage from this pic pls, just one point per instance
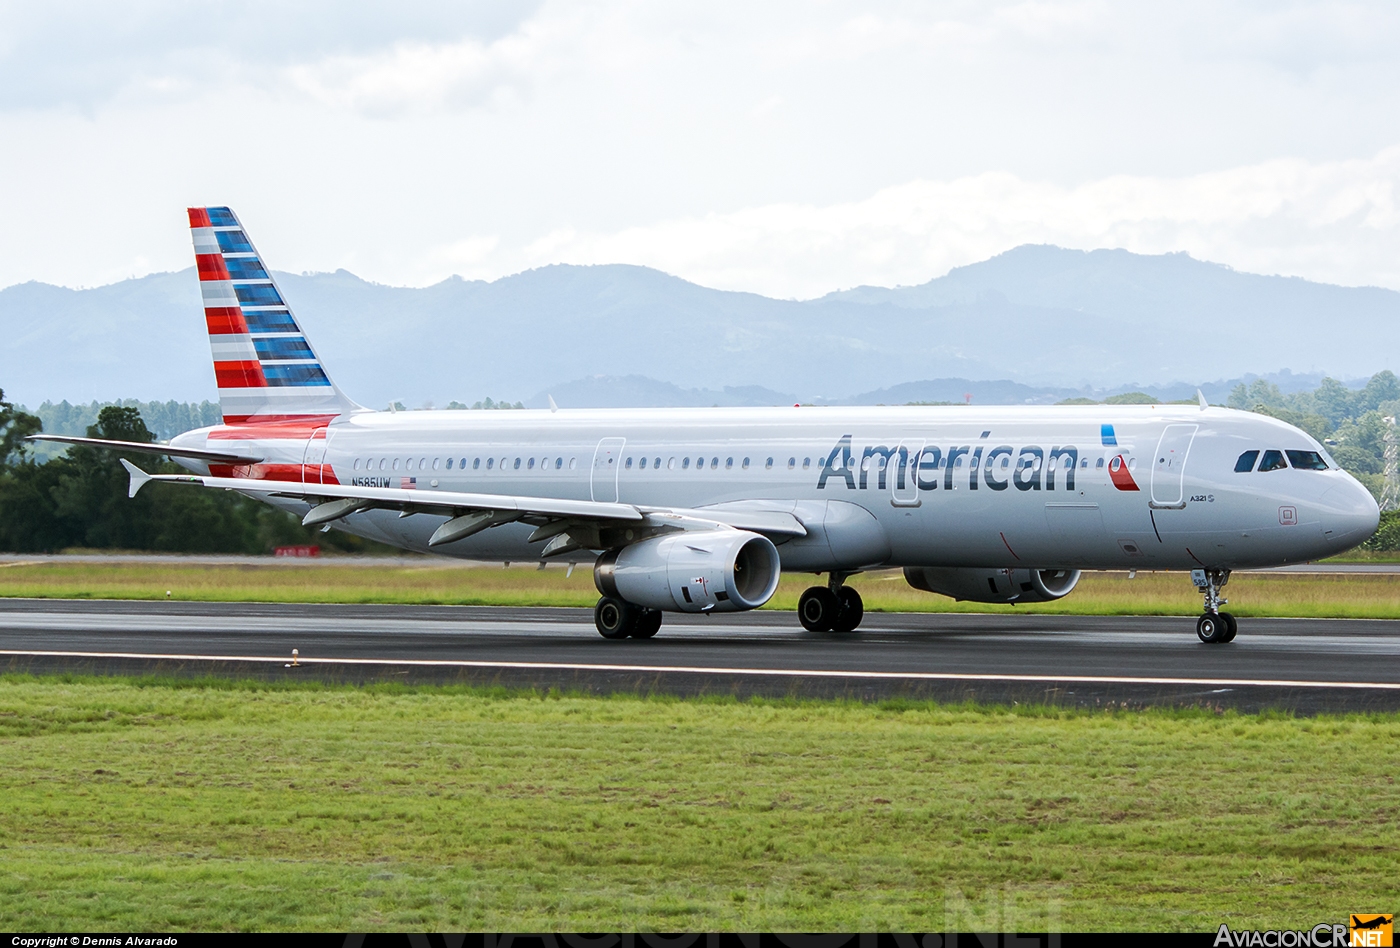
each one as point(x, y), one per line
point(239, 375)
point(199, 217)
point(225, 321)
point(272, 427)
point(293, 473)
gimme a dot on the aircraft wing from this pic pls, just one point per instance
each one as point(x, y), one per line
point(136, 447)
point(570, 524)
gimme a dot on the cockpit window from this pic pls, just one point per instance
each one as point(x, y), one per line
point(1306, 460)
point(1246, 462)
point(1273, 461)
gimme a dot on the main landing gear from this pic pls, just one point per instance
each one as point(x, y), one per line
point(620, 619)
point(1214, 626)
point(831, 608)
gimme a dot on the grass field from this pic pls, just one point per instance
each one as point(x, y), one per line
point(157, 806)
point(1251, 594)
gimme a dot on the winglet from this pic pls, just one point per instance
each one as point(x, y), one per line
point(1200, 397)
point(139, 478)
point(552, 406)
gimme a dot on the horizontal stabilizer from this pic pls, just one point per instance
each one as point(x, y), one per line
point(140, 447)
point(139, 478)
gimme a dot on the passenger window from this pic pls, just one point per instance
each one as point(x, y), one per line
point(671, 464)
point(1099, 463)
point(490, 463)
point(1306, 460)
point(1273, 461)
point(529, 465)
point(656, 464)
point(1132, 464)
point(746, 464)
point(792, 463)
point(476, 463)
point(806, 463)
point(435, 463)
point(449, 463)
point(573, 463)
point(728, 463)
point(558, 463)
point(396, 464)
point(628, 465)
point(357, 464)
point(1084, 463)
point(642, 464)
point(517, 464)
point(1245, 464)
point(714, 464)
point(408, 465)
point(685, 464)
point(422, 464)
point(768, 464)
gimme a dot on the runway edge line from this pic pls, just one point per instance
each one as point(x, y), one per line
point(704, 670)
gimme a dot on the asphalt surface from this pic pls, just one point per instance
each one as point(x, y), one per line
point(1305, 665)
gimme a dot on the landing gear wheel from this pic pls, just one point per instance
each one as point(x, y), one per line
point(818, 610)
point(647, 624)
point(852, 610)
point(1231, 626)
point(615, 618)
point(1212, 628)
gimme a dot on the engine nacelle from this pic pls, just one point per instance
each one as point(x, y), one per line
point(993, 585)
point(705, 571)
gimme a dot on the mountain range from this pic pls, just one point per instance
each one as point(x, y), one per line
point(1044, 321)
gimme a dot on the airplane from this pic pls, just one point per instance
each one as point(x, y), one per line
point(701, 510)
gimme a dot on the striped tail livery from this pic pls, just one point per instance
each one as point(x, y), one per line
point(264, 366)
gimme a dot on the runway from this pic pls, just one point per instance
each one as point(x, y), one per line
point(1305, 665)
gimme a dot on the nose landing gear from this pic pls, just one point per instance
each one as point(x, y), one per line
point(831, 608)
point(1214, 627)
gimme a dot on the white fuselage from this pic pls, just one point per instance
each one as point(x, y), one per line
point(987, 487)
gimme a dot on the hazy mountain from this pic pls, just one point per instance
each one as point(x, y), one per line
point(1042, 318)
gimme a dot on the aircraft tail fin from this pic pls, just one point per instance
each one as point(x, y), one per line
point(264, 365)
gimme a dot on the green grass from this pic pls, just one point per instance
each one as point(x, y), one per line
point(1251, 594)
point(129, 805)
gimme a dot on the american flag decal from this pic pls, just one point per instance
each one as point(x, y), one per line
point(408, 483)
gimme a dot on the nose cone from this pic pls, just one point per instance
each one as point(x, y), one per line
point(1349, 515)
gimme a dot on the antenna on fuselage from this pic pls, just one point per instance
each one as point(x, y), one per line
point(1201, 397)
point(552, 406)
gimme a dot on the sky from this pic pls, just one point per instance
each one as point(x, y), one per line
point(789, 149)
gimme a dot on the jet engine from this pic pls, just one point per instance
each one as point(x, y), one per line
point(704, 571)
point(993, 585)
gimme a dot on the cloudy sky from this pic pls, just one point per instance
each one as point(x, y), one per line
point(784, 148)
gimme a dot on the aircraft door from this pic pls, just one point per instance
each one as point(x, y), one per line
point(313, 462)
point(904, 474)
point(607, 464)
point(1169, 467)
